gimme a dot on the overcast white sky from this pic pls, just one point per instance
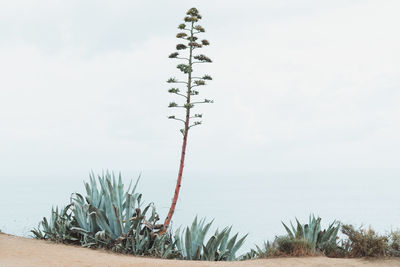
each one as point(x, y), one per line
point(299, 87)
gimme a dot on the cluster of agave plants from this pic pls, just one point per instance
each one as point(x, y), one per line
point(304, 239)
point(109, 217)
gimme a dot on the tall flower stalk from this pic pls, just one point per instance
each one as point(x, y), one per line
point(189, 33)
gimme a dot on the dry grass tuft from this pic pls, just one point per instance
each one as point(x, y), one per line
point(285, 246)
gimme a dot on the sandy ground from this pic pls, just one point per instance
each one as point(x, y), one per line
point(19, 251)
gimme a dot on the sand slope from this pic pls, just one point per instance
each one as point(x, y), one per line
point(18, 251)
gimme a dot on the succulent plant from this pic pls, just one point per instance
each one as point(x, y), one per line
point(312, 232)
point(105, 208)
point(190, 241)
point(219, 247)
point(109, 217)
point(58, 227)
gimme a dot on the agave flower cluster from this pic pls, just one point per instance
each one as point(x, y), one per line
point(186, 52)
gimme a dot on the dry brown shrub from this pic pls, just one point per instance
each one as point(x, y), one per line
point(364, 243)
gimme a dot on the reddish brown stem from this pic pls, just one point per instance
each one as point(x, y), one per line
point(185, 136)
point(178, 182)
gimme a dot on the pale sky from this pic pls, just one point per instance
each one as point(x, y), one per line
point(299, 87)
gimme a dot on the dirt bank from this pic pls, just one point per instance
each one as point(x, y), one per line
point(19, 251)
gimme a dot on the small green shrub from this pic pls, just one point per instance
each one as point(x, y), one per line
point(394, 244)
point(364, 243)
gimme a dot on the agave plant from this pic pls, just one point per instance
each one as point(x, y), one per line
point(58, 227)
point(313, 234)
point(110, 217)
point(192, 246)
point(103, 215)
point(190, 241)
point(220, 247)
point(107, 216)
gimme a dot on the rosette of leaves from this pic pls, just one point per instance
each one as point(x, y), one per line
point(103, 214)
point(320, 240)
point(110, 217)
point(192, 244)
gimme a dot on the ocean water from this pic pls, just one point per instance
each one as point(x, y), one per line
point(254, 204)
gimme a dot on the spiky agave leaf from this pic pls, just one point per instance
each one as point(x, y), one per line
point(290, 233)
point(236, 247)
